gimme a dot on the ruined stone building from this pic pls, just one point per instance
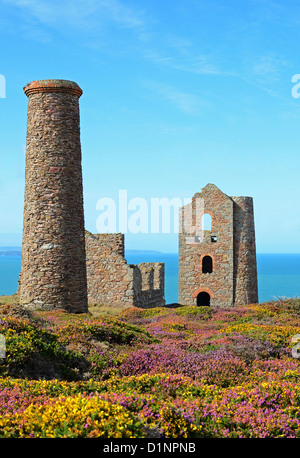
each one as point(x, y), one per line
point(113, 282)
point(62, 265)
point(217, 263)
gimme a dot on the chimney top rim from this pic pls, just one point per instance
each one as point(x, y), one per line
point(52, 85)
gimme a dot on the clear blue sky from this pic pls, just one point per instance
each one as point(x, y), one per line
point(177, 94)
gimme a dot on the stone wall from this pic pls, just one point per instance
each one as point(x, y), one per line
point(113, 282)
point(115, 241)
point(230, 244)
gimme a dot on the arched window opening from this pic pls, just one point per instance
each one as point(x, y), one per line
point(206, 222)
point(207, 265)
point(203, 298)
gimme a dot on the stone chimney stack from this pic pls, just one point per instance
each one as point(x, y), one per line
point(53, 273)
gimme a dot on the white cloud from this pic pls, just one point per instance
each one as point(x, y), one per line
point(268, 73)
point(184, 101)
point(199, 64)
point(269, 67)
point(79, 13)
point(92, 16)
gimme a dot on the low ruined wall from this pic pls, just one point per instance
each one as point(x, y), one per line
point(149, 285)
point(109, 277)
point(113, 282)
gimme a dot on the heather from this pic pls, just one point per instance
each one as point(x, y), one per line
point(162, 372)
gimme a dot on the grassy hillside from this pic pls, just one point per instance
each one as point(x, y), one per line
point(163, 372)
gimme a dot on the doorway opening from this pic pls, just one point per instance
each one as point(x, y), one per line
point(203, 298)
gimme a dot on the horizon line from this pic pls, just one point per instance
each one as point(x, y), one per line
point(5, 248)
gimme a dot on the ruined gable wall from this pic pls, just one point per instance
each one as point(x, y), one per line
point(219, 283)
point(233, 280)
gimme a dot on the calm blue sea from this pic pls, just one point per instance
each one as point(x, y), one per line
point(278, 274)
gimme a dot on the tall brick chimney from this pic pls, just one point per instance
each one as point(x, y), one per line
point(53, 273)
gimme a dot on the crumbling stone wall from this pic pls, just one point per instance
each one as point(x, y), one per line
point(230, 244)
point(149, 284)
point(113, 282)
point(53, 273)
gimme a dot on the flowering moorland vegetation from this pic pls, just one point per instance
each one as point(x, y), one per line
point(163, 372)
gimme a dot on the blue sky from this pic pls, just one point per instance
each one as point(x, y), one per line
point(175, 95)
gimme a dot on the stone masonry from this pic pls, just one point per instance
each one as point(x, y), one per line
point(218, 266)
point(113, 282)
point(53, 273)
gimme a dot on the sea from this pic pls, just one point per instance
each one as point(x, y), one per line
point(278, 274)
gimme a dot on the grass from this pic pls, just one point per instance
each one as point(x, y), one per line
point(98, 310)
point(11, 300)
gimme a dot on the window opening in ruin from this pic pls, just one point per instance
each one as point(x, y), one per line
point(203, 298)
point(214, 238)
point(206, 222)
point(207, 265)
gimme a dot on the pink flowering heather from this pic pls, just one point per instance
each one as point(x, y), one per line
point(178, 372)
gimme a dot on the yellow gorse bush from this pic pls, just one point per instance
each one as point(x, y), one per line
point(74, 416)
point(279, 335)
